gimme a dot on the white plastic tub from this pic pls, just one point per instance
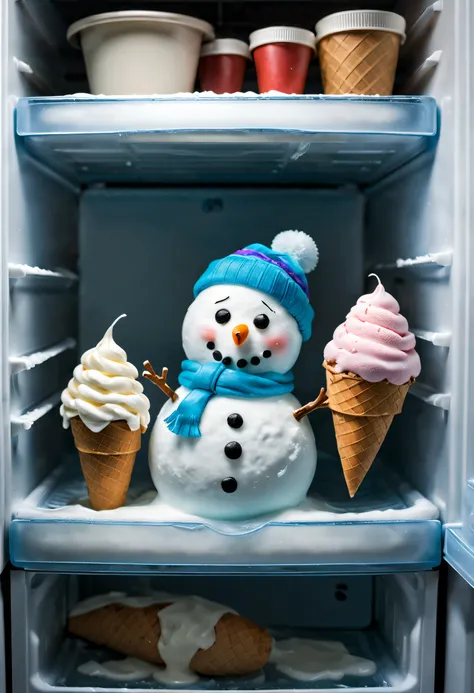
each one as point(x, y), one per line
point(138, 52)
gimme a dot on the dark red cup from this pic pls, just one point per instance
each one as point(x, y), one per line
point(222, 66)
point(282, 65)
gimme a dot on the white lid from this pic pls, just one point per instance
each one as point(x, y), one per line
point(226, 46)
point(282, 34)
point(361, 20)
point(138, 16)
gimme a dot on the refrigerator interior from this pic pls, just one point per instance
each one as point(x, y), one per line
point(389, 620)
point(119, 247)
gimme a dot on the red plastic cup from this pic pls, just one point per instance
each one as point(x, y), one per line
point(282, 56)
point(222, 66)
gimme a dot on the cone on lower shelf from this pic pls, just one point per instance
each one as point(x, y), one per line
point(240, 647)
point(362, 414)
point(107, 460)
point(359, 62)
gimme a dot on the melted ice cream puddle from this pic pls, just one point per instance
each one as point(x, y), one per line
point(128, 669)
point(315, 660)
point(131, 669)
point(187, 625)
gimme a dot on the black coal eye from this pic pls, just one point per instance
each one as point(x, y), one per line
point(261, 321)
point(222, 316)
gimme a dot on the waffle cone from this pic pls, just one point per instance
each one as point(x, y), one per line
point(362, 414)
point(240, 647)
point(359, 62)
point(107, 460)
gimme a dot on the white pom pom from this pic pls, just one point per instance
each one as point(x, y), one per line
point(299, 246)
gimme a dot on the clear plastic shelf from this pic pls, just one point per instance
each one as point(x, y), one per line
point(459, 553)
point(459, 539)
point(243, 138)
point(387, 527)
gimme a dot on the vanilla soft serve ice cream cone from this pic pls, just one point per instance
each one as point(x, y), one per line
point(370, 364)
point(107, 410)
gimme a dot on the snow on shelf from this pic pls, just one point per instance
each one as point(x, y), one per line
point(442, 400)
point(387, 527)
point(23, 422)
point(240, 138)
point(29, 361)
point(440, 339)
point(431, 260)
point(19, 271)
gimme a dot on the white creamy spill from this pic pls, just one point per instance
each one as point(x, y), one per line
point(297, 658)
point(187, 625)
point(315, 660)
point(131, 669)
point(128, 669)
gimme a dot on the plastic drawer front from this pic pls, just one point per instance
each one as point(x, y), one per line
point(389, 620)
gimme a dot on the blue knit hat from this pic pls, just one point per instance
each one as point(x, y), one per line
point(278, 271)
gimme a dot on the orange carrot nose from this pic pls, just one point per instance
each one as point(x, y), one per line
point(240, 334)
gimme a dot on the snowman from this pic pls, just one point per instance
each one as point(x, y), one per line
point(226, 445)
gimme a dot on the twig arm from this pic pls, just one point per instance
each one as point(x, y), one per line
point(321, 402)
point(159, 380)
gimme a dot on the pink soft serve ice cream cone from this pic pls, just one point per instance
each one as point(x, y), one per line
point(370, 364)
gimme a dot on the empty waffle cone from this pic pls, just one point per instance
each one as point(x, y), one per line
point(107, 460)
point(240, 647)
point(359, 62)
point(362, 414)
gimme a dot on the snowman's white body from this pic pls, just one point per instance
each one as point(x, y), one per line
point(273, 472)
point(249, 331)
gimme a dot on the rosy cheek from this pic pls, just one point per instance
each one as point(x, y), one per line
point(208, 334)
point(277, 344)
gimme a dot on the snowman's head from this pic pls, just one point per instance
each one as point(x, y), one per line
point(242, 327)
point(252, 308)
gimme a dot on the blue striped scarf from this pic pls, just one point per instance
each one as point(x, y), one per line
point(209, 379)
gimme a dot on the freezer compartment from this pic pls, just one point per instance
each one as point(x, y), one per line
point(387, 527)
point(228, 139)
point(387, 523)
point(388, 620)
